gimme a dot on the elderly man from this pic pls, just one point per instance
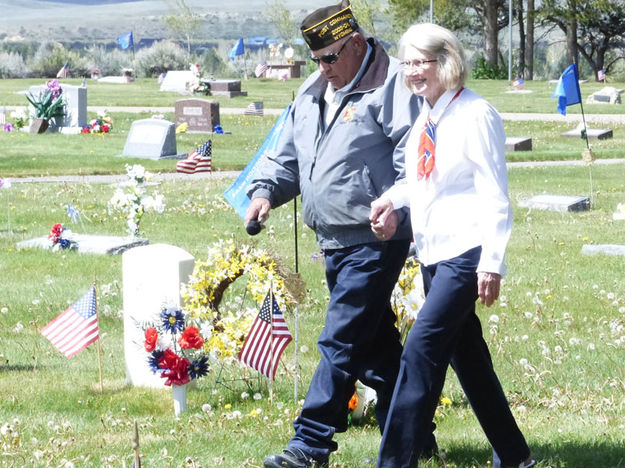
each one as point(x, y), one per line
point(341, 148)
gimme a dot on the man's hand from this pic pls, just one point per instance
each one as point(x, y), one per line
point(383, 219)
point(488, 287)
point(257, 211)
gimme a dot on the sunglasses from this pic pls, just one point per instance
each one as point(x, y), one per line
point(330, 58)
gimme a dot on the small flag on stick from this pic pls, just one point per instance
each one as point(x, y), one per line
point(64, 71)
point(76, 328)
point(601, 75)
point(199, 160)
point(237, 49)
point(266, 340)
point(260, 69)
point(518, 84)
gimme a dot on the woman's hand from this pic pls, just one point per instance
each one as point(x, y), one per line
point(488, 287)
point(383, 219)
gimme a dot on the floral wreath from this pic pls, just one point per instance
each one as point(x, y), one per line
point(224, 324)
point(61, 238)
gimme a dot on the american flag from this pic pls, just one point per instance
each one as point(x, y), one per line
point(266, 340)
point(76, 328)
point(64, 71)
point(260, 69)
point(255, 108)
point(199, 160)
point(518, 84)
point(601, 75)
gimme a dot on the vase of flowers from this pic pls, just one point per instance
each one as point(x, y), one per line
point(48, 104)
point(176, 353)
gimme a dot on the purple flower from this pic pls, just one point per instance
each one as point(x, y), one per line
point(7, 127)
point(55, 89)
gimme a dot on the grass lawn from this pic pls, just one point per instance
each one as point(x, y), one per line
point(557, 335)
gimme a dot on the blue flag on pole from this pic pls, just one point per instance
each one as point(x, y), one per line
point(125, 41)
point(567, 90)
point(236, 194)
point(238, 49)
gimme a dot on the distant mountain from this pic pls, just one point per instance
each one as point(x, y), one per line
point(96, 20)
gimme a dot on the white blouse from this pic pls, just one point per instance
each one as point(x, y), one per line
point(464, 203)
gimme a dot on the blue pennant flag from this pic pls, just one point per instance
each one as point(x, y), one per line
point(567, 90)
point(236, 194)
point(238, 49)
point(125, 41)
point(73, 213)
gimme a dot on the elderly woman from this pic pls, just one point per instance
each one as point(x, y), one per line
point(456, 187)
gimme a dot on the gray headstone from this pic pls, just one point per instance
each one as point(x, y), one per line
point(228, 88)
point(561, 203)
point(255, 108)
point(152, 276)
point(76, 109)
point(591, 133)
point(90, 243)
point(152, 139)
point(607, 249)
point(201, 115)
point(606, 95)
point(518, 144)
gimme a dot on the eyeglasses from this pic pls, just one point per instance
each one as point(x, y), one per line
point(330, 58)
point(415, 64)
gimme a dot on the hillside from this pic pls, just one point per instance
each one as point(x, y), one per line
point(101, 20)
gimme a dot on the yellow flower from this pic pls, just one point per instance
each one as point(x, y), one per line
point(445, 401)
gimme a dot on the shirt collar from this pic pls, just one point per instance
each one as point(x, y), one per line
point(439, 108)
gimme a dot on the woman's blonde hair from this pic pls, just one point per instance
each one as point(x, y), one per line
point(444, 45)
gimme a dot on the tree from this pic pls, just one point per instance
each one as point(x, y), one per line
point(185, 24)
point(594, 28)
point(280, 16)
point(529, 40)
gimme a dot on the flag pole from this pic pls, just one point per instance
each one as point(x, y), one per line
point(135, 447)
point(271, 376)
point(590, 155)
point(97, 314)
point(296, 304)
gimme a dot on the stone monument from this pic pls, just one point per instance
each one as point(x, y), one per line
point(152, 276)
point(201, 115)
point(152, 139)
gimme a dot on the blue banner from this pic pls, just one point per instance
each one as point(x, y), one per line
point(236, 194)
point(126, 40)
point(567, 90)
point(238, 49)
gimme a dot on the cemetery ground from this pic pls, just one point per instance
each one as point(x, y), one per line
point(557, 335)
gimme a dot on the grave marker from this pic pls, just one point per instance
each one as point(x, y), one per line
point(228, 88)
point(90, 243)
point(176, 81)
point(201, 115)
point(152, 276)
point(518, 144)
point(606, 249)
point(561, 203)
point(76, 109)
point(152, 139)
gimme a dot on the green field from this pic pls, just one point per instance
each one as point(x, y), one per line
point(557, 334)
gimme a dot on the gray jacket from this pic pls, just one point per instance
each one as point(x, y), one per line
point(341, 169)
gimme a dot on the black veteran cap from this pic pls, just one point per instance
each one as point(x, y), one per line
point(327, 25)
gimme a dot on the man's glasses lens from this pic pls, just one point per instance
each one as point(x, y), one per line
point(330, 58)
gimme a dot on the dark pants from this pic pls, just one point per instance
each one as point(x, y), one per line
point(447, 330)
point(359, 342)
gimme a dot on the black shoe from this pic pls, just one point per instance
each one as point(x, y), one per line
point(293, 458)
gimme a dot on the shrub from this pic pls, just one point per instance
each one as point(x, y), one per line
point(51, 56)
point(482, 70)
point(12, 65)
point(160, 58)
point(212, 63)
point(108, 62)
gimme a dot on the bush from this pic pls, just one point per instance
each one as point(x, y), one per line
point(211, 63)
point(51, 56)
point(12, 65)
point(482, 70)
point(108, 62)
point(160, 58)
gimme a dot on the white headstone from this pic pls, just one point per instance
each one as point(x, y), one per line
point(151, 139)
point(89, 243)
point(75, 110)
point(606, 249)
point(562, 203)
point(176, 81)
point(152, 276)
